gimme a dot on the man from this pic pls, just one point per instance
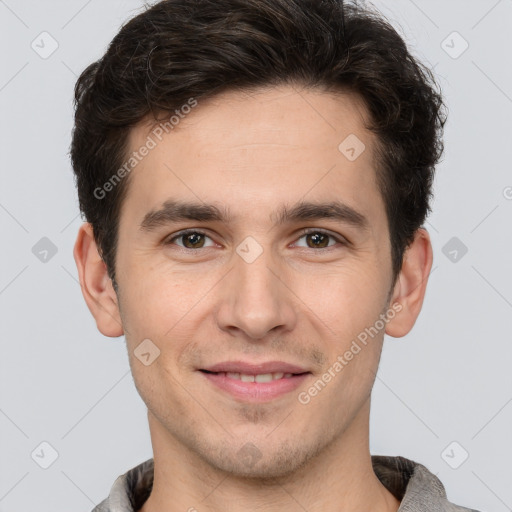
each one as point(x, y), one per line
point(255, 175)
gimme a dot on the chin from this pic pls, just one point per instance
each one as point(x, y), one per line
point(260, 463)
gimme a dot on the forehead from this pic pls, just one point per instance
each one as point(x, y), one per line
point(249, 150)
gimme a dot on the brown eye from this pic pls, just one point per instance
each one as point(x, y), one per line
point(317, 240)
point(193, 240)
point(190, 240)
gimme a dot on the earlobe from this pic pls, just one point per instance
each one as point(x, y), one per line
point(411, 285)
point(96, 285)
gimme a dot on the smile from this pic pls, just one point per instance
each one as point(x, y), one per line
point(262, 387)
point(262, 377)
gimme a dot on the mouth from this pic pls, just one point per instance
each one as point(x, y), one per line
point(255, 383)
point(260, 377)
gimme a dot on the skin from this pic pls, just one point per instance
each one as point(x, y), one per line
point(296, 302)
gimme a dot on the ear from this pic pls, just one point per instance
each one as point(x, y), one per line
point(96, 285)
point(411, 284)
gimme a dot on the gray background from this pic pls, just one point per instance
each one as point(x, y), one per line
point(63, 383)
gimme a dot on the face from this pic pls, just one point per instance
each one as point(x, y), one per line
point(286, 260)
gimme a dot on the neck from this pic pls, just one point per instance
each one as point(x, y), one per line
point(340, 478)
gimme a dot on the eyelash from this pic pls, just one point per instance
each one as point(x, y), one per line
point(303, 233)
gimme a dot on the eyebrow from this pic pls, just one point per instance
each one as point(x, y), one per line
point(175, 211)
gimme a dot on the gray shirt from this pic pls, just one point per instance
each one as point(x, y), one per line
point(413, 484)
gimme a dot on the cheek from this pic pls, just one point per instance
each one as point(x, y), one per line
point(157, 313)
point(158, 386)
point(344, 301)
point(168, 310)
point(156, 299)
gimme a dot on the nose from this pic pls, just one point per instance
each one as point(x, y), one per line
point(255, 299)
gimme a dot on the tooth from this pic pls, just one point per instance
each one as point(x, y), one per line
point(264, 377)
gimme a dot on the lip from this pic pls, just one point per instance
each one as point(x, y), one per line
point(255, 369)
point(256, 392)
